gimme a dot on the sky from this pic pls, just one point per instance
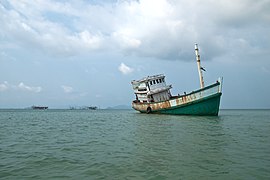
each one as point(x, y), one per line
point(86, 52)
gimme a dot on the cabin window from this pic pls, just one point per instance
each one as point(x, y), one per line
point(154, 82)
point(160, 80)
point(150, 82)
point(157, 80)
point(144, 89)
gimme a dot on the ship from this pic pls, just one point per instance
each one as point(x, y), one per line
point(83, 108)
point(153, 96)
point(40, 107)
point(92, 107)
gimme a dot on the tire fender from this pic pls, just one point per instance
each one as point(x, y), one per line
point(148, 110)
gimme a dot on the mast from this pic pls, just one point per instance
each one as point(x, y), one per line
point(199, 65)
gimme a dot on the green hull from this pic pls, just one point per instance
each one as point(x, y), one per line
point(205, 107)
point(203, 102)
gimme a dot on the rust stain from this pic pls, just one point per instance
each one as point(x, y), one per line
point(161, 105)
point(184, 99)
point(178, 101)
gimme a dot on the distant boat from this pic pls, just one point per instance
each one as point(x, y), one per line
point(92, 107)
point(84, 108)
point(154, 96)
point(40, 107)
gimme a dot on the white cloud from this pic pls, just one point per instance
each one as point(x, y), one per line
point(87, 38)
point(124, 69)
point(126, 40)
point(21, 86)
point(24, 87)
point(164, 29)
point(67, 89)
point(4, 86)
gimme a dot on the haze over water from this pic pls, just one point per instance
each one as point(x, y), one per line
point(124, 144)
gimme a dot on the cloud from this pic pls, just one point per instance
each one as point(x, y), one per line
point(124, 69)
point(163, 29)
point(21, 86)
point(24, 87)
point(67, 89)
point(28, 25)
point(125, 40)
point(4, 86)
point(71, 94)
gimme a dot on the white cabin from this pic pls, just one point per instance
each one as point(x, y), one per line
point(151, 89)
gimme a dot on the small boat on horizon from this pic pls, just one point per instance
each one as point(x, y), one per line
point(40, 107)
point(154, 96)
point(83, 108)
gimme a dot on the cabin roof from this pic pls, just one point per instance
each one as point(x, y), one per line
point(148, 78)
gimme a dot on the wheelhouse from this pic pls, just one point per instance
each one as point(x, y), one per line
point(151, 89)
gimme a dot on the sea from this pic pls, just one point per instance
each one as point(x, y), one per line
point(125, 144)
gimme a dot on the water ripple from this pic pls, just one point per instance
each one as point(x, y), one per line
point(108, 144)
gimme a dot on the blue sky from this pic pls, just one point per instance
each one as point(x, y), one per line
point(77, 52)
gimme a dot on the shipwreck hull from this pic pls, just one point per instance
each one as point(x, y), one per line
point(201, 102)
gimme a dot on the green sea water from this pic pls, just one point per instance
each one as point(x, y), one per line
point(124, 144)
